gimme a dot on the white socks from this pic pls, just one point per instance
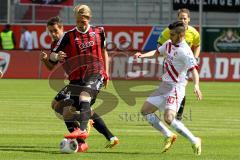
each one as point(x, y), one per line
point(176, 125)
point(181, 129)
point(156, 123)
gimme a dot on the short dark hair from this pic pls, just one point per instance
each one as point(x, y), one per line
point(178, 26)
point(55, 20)
point(7, 26)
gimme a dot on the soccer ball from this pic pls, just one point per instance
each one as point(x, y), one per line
point(68, 146)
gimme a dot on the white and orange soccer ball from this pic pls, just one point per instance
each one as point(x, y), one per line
point(68, 146)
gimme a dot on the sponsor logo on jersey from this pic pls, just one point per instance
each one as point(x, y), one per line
point(85, 45)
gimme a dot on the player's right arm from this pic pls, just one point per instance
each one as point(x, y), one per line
point(56, 54)
point(45, 59)
point(148, 54)
point(158, 52)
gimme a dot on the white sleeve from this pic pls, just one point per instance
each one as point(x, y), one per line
point(189, 60)
point(162, 48)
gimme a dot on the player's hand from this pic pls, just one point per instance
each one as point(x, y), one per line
point(61, 56)
point(43, 56)
point(105, 83)
point(105, 80)
point(55, 57)
point(197, 92)
point(137, 55)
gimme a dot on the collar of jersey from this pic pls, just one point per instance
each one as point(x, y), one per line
point(85, 31)
point(180, 43)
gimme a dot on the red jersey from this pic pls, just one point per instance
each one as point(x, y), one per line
point(84, 52)
point(53, 45)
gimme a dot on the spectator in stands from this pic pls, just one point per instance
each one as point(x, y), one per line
point(7, 39)
point(26, 42)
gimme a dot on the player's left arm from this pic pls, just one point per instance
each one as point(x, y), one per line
point(197, 90)
point(106, 66)
point(105, 57)
point(192, 66)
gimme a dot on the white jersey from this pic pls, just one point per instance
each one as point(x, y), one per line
point(179, 59)
point(26, 41)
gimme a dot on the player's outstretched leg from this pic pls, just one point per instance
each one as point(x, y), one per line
point(181, 109)
point(179, 127)
point(183, 130)
point(101, 127)
point(197, 147)
point(168, 142)
point(81, 132)
point(82, 145)
point(170, 137)
point(85, 114)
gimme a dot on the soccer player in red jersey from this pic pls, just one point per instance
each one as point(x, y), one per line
point(55, 29)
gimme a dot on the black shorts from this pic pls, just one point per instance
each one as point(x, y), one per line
point(91, 85)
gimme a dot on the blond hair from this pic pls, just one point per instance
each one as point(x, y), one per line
point(183, 10)
point(82, 10)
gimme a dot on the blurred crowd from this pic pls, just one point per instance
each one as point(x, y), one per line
point(8, 41)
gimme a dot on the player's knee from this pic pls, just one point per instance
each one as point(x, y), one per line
point(148, 108)
point(143, 112)
point(168, 118)
point(84, 96)
point(67, 113)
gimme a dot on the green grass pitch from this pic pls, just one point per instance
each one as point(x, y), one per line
point(30, 131)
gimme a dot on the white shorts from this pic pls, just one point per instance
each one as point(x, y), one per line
point(167, 96)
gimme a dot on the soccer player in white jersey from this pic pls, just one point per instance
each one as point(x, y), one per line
point(167, 98)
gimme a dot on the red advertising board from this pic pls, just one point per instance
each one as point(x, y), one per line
point(39, 33)
point(127, 37)
point(118, 37)
point(213, 67)
point(47, 2)
point(21, 64)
